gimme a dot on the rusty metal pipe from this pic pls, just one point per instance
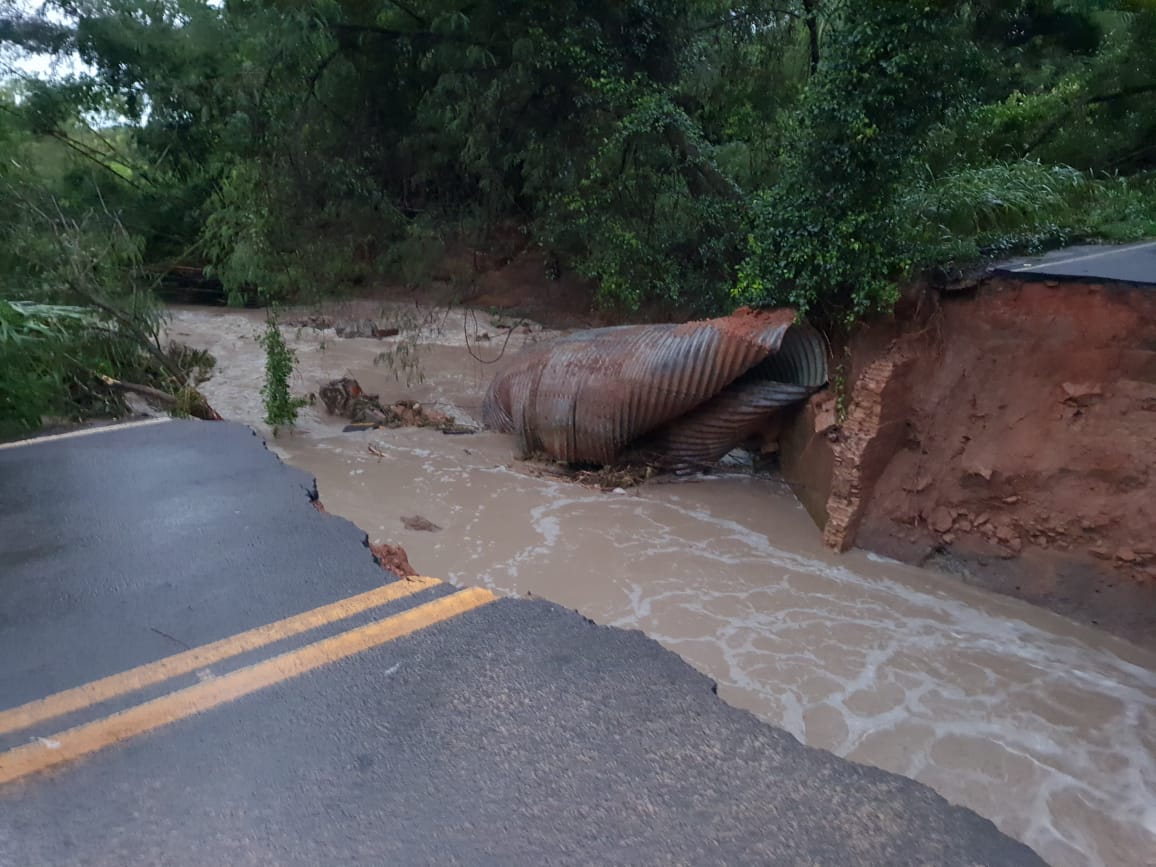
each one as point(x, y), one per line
point(676, 392)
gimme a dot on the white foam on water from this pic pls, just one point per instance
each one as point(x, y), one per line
point(1046, 727)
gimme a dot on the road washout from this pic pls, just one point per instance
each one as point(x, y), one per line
point(1041, 724)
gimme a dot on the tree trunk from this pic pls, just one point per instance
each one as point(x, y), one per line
point(809, 9)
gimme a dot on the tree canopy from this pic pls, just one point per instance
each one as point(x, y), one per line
point(810, 152)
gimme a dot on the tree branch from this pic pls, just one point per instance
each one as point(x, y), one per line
point(408, 10)
point(89, 153)
point(1055, 124)
point(426, 36)
point(701, 177)
point(747, 15)
point(198, 406)
point(1124, 93)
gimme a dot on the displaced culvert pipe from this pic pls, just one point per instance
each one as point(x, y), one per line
point(679, 396)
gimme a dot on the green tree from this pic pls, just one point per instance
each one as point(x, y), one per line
point(811, 152)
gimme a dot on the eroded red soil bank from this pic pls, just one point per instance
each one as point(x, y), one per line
point(1006, 434)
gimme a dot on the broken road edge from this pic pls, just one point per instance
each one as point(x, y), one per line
point(707, 683)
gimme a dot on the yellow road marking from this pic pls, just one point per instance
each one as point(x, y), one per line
point(91, 737)
point(98, 691)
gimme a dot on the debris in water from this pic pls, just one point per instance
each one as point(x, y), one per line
point(339, 395)
point(417, 522)
point(364, 328)
point(345, 397)
point(615, 479)
point(314, 321)
point(675, 396)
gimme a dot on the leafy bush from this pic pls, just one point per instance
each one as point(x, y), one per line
point(827, 232)
point(654, 218)
point(280, 405)
point(75, 308)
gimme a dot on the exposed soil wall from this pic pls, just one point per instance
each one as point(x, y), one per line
point(1008, 437)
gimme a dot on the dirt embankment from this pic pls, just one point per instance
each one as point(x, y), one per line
point(1008, 436)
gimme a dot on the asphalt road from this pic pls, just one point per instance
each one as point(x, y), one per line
point(1126, 263)
point(513, 732)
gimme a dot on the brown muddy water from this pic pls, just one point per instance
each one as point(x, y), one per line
point(1044, 726)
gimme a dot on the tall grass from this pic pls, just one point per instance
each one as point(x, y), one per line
point(1023, 206)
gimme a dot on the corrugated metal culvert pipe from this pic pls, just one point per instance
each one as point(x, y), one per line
point(677, 396)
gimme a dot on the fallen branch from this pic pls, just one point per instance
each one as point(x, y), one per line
point(197, 407)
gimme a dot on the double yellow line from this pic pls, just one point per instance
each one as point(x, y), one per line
point(46, 752)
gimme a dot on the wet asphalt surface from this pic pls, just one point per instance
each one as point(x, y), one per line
point(515, 733)
point(1125, 263)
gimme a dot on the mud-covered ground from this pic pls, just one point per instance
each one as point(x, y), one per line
point(1045, 726)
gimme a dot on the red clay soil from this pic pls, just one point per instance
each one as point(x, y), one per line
point(391, 558)
point(1012, 440)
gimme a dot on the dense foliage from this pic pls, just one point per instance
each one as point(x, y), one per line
point(73, 303)
point(812, 152)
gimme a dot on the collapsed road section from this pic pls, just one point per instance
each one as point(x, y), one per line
point(675, 396)
point(199, 667)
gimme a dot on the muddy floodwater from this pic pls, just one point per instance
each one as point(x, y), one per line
point(1044, 726)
